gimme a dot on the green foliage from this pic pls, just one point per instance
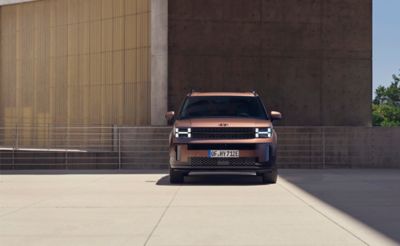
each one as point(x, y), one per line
point(386, 105)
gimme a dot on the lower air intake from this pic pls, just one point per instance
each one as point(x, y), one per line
point(221, 162)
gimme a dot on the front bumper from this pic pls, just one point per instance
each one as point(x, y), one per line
point(253, 156)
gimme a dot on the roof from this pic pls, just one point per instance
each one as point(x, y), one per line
point(236, 94)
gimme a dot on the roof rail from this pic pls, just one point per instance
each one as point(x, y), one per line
point(192, 91)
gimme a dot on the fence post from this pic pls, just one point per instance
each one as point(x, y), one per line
point(119, 148)
point(16, 136)
point(323, 148)
point(66, 148)
point(48, 136)
point(15, 146)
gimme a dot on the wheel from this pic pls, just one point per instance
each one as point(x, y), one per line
point(270, 177)
point(176, 177)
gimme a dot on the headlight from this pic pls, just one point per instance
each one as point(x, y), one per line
point(263, 132)
point(183, 132)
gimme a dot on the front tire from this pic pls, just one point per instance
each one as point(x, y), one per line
point(176, 177)
point(270, 177)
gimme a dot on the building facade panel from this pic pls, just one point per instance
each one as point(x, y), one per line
point(105, 62)
point(69, 62)
point(286, 50)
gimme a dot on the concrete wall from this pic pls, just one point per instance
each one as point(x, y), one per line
point(309, 59)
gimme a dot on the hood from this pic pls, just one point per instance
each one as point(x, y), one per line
point(223, 122)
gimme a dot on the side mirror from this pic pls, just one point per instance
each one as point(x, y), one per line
point(170, 116)
point(275, 115)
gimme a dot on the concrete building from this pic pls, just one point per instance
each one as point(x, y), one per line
point(126, 62)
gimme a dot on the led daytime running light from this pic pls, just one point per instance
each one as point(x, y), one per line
point(183, 133)
point(267, 133)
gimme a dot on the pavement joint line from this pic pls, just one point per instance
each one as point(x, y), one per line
point(47, 199)
point(97, 207)
point(162, 216)
point(322, 214)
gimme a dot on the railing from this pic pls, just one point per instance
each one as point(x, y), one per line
point(339, 147)
point(147, 147)
point(55, 138)
point(82, 147)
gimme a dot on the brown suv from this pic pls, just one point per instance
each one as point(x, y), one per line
point(223, 132)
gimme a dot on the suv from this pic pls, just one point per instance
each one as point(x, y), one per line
point(223, 132)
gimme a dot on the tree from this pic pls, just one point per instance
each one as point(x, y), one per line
point(386, 105)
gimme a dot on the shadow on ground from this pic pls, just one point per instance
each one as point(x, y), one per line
point(79, 172)
point(215, 179)
point(369, 196)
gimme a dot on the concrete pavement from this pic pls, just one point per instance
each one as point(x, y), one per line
point(306, 207)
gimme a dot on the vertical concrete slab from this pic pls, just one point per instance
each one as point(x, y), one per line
point(159, 61)
point(345, 101)
point(346, 87)
point(310, 59)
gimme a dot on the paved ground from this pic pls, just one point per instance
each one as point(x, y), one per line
point(314, 207)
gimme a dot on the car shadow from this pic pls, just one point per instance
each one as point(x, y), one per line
point(81, 172)
point(215, 179)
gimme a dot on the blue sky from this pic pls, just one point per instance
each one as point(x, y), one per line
point(386, 57)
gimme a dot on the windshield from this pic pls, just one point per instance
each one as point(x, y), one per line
point(222, 106)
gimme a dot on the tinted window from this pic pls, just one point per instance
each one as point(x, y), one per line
point(222, 106)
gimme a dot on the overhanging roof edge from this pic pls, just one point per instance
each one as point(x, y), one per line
point(8, 2)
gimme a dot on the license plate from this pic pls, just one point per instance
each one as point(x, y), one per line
point(223, 153)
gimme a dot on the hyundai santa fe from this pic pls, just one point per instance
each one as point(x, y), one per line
point(223, 132)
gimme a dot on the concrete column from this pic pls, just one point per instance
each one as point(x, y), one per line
point(159, 61)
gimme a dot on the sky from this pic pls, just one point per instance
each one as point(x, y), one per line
point(386, 41)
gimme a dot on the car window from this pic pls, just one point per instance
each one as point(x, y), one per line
point(222, 106)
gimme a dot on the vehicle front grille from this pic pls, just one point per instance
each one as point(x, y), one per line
point(223, 133)
point(222, 147)
point(221, 162)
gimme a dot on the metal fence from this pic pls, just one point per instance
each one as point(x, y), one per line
point(339, 147)
point(58, 138)
point(147, 147)
point(82, 147)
